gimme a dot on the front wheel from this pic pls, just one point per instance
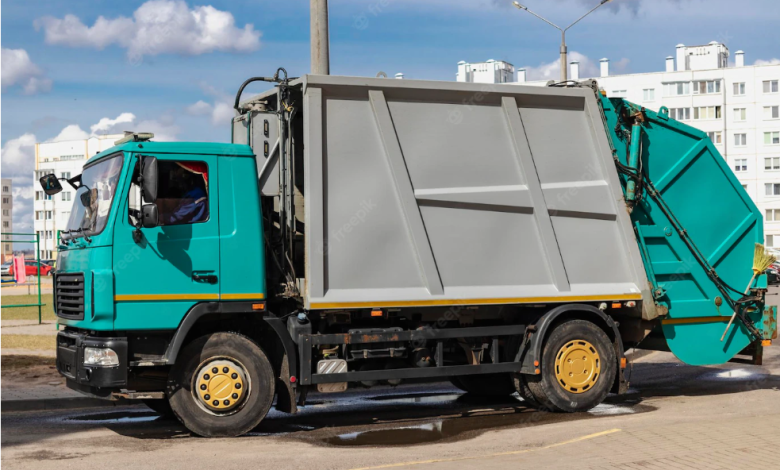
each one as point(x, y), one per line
point(578, 368)
point(222, 385)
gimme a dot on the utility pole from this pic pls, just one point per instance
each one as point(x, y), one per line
point(564, 50)
point(320, 43)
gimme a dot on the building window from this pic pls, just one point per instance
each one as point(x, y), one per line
point(5, 212)
point(772, 189)
point(773, 215)
point(38, 195)
point(5, 200)
point(740, 140)
point(716, 137)
point(771, 138)
point(5, 224)
point(770, 241)
point(48, 215)
point(740, 114)
point(648, 94)
point(739, 89)
point(770, 86)
point(677, 88)
point(740, 164)
point(706, 87)
point(681, 114)
point(619, 93)
point(771, 112)
point(772, 163)
point(66, 174)
point(6, 189)
point(706, 112)
point(66, 196)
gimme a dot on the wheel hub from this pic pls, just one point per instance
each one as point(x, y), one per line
point(221, 385)
point(577, 366)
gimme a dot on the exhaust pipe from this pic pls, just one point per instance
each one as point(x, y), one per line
point(320, 47)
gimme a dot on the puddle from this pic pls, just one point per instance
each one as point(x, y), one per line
point(116, 417)
point(417, 398)
point(605, 409)
point(470, 424)
point(734, 374)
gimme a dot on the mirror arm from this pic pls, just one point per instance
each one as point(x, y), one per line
point(74, 182)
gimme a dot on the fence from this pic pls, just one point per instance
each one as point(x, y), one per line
point(35, 238)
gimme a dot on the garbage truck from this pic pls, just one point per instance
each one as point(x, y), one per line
point(367, 231)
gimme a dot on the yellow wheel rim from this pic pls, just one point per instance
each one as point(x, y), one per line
point(221, 385)
point(577, 366)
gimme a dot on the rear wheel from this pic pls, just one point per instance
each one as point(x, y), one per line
point(578, 368)
point(521, 385)
point(222, 385)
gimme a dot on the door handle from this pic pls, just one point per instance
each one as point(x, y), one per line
point(209, 278)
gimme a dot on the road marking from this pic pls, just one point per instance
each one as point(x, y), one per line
point(499, 454)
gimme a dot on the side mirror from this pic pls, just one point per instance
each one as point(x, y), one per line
point(86, 198)
point(149, 216)
point(50, 184)
point(149, 174)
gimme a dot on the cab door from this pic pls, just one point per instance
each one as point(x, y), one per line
point(175, 265)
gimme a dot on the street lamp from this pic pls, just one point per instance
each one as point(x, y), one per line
point(562, 30)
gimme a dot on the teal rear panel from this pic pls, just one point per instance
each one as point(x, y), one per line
point(242, 264)
point(704, 195)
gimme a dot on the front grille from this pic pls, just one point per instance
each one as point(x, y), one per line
point(69, 295)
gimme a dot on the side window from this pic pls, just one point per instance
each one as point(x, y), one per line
point(182, 193)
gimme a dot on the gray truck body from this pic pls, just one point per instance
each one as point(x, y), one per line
point(421, 193)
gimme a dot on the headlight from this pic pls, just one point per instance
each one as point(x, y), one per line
point(100, 357)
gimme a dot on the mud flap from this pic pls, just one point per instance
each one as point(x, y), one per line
point(285, 394)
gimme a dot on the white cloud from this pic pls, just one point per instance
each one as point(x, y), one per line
point(157, 27)
point(18, 157)
point(109, 126)
point(71, 132)
point(199, 109)
point(18, 69)
point(164, 128)
point(221, 110)
point(767, 62)
point(588, 68)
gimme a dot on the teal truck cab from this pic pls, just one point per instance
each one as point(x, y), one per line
point(364, 231)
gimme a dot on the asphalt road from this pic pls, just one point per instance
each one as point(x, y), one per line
point(675, 416)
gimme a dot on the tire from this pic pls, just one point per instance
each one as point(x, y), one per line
point(493, 385)
point(248, 382)
point(591, 379)
point(161, 407)
point(521, 385)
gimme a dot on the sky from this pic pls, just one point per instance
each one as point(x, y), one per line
point(75, 68)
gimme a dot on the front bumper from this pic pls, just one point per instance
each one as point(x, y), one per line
point(99, 381)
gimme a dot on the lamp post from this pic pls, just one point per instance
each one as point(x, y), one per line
point(564, 52)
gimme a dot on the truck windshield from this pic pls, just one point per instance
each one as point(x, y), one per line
point(93, 198)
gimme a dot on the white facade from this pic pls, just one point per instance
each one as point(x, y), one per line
point(65, 159)
point(738, 106)
point(8, 218)
point(492, 71)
